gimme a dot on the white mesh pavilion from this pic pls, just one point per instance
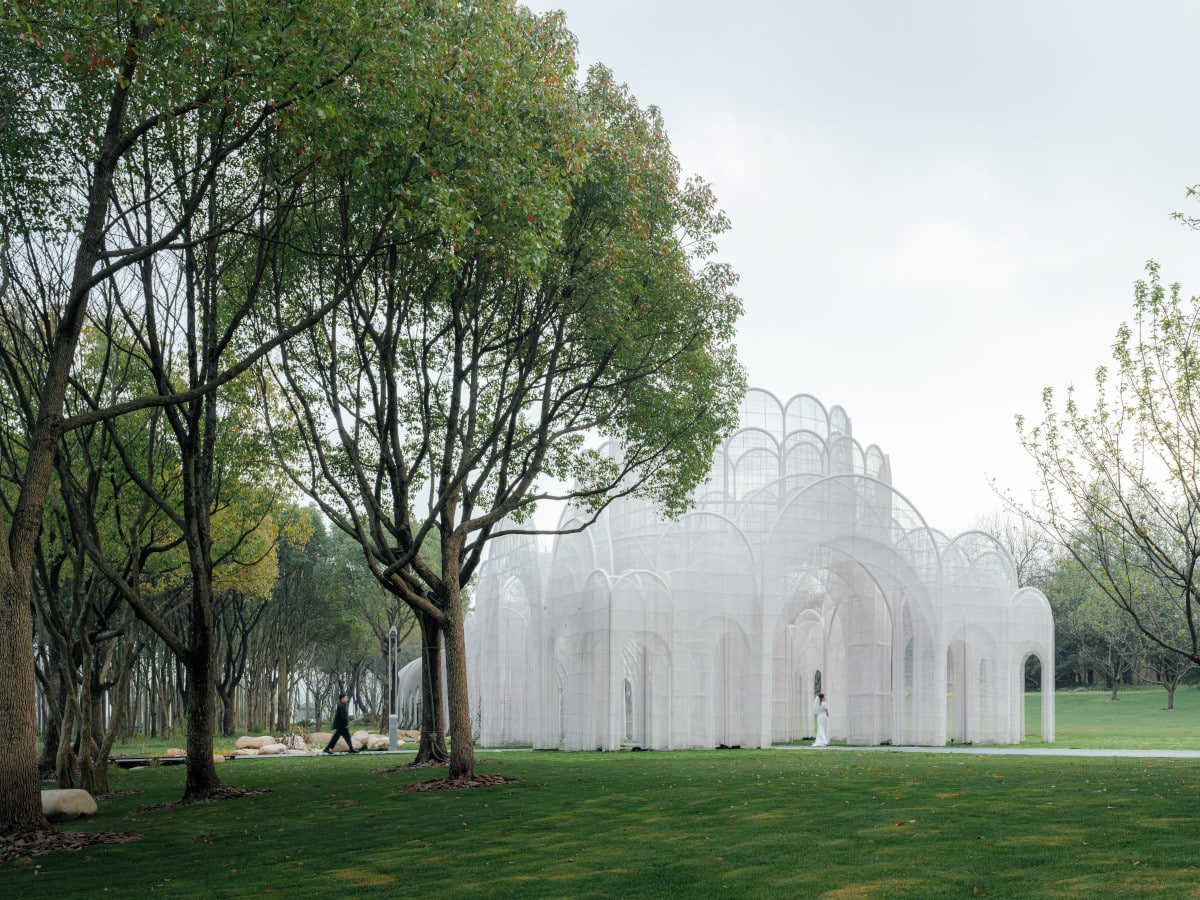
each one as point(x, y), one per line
point(799, 567)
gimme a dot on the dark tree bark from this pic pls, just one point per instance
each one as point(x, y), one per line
point(432, 748)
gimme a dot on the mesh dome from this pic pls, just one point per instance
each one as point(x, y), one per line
point(800, 569)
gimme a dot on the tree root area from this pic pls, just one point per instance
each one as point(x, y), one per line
point(14, 844)
point(407, 767)
point(222, 793)
point(454, 784)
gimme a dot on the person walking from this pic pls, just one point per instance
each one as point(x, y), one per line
point(341, 725)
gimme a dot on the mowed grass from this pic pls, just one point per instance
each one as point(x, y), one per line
point(745, 823)
point(1137, 720)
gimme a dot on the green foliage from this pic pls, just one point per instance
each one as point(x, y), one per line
point(223, 71)
point(1121, 483)
point(550, 281)
point(1091, 632)
point(650, 316)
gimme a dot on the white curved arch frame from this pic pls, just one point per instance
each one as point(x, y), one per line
point(800, 557)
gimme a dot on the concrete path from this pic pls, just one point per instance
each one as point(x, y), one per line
point(1013, 751)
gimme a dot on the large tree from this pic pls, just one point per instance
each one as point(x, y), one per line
point(1120, 484)
point(99, 101)
point(1092, 635)
point(462, 373)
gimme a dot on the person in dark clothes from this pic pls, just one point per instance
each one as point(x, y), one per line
point(341, 724)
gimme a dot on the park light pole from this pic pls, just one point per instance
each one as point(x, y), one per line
point(392, 744)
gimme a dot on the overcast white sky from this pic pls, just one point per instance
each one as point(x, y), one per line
point(939, 207)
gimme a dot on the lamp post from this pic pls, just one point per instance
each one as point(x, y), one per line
point(392, 706)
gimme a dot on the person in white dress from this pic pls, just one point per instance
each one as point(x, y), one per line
point(821, 711)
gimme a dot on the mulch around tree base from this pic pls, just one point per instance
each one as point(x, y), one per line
point(454, 784)
point(35, 843)
point(222, 793)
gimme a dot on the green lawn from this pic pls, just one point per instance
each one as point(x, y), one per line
point(1139, 719)
point(745, 823)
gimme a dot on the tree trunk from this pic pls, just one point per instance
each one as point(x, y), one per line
point(95, 770)
point(20, 787)
point(202, 777)
point(227, 712)
point(91, 718)
point(432, 749)
point(1170, 696)
point(56, 695)
point(462, 740)
point(283, 711)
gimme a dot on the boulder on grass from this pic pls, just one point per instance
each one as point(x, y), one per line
point(246, 751)
point(65, 805)
point(174, 753)
point(249, 740)
point(319, 740)
point(361, 736)
point(271, 749)
point(218, 758)
point(377, 742)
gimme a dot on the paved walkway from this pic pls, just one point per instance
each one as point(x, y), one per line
point(127, 762)
point(1014, 751)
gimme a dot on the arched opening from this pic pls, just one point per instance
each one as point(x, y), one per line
point(628, 739)
point(1032, 702)
point(907, 716)
point(956, 692)
point(732, 682)
point(1033, 674)
point(562, 716)
point(987, 713)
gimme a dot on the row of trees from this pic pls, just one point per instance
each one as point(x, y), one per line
point(1120, 496)
point(392, 256)
point(320, 627)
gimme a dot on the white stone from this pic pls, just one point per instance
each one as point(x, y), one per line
point(249, 740)
point(271, 749)
point(67, 804)
point(174, 753)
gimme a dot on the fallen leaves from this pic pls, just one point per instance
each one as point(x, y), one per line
point(36, 843)
point(453, 784)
